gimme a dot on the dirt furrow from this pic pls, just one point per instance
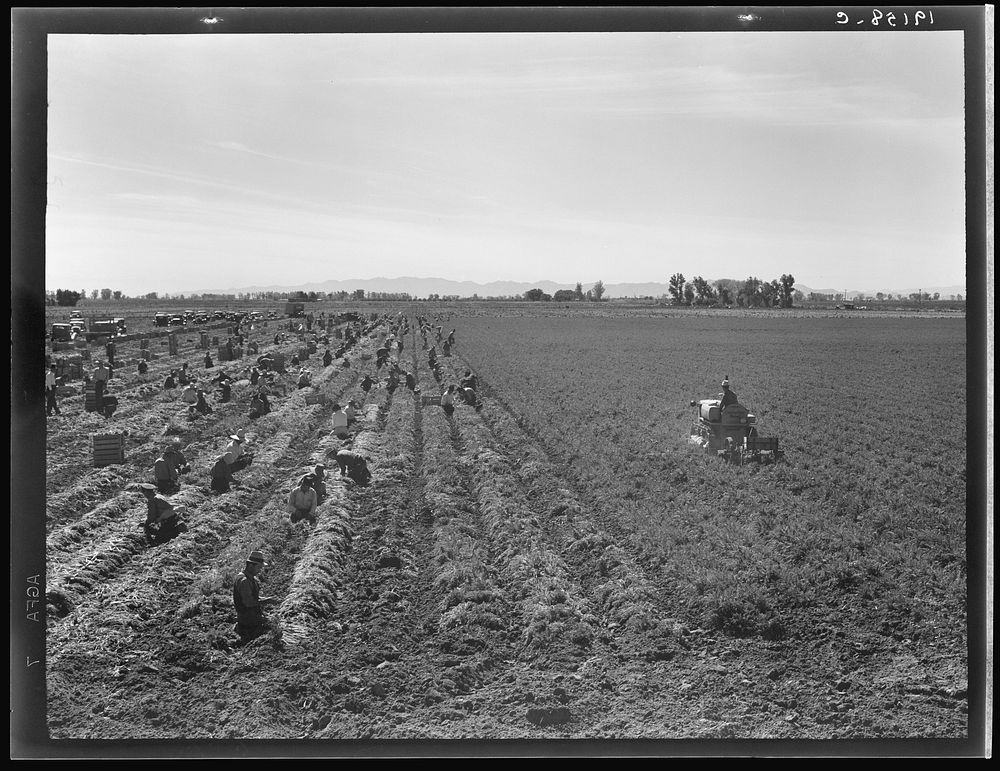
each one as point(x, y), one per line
point(187, 599)
point(150, 422)
point(112, 528)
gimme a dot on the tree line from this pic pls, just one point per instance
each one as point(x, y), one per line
point(751, 293)
point(594, 294)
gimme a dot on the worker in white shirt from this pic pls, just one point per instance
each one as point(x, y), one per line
point(50, 392)
point(302, 501)
point(340, 422)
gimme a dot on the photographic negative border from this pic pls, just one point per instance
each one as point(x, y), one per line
point(30, 28)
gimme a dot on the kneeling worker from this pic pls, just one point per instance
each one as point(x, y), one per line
point(222, 474)
point(340, 422)
point(166, 475)
point(302, 501)
point(162, 520)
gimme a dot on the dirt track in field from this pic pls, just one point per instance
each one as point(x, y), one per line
point(470, 591)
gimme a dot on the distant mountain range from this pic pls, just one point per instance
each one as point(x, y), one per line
point(423, 287)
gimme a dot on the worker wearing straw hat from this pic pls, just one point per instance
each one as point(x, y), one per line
point(237, 457)
point(250, 619)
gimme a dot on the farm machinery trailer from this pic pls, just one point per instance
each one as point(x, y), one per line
point(731, 433)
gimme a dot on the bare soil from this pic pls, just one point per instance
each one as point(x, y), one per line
point(469, 592)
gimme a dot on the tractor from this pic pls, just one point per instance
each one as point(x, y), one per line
point(731, 433)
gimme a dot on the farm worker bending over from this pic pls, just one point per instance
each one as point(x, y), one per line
point(250, 619)
point(327, 358)
point(222, 475)
point(162, 522)
point(469, 395)
point(354, 466)
point(302, 501)
point(727, 396)
point(448, 400)
point(101, 376)
point(470, 380)
point(350, 410)
point(367, 383)
point(165, 475)
point(190, 394)
point(339, 422)
point(173, 455)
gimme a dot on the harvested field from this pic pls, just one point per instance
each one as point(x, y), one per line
point(556, 562)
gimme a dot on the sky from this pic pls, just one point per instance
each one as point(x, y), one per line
point(179, 163)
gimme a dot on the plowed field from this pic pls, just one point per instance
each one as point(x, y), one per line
point(557, 564)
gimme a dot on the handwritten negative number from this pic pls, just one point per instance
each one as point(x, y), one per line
point(890, 18)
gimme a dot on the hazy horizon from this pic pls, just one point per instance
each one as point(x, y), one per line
point(179, 161)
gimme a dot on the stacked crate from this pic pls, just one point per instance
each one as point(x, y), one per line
point(90, 398)
point(109, 449)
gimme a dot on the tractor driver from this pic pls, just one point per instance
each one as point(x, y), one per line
point(727, 396)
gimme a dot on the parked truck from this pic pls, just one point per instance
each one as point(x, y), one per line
point(294, 308)
point(105, 328)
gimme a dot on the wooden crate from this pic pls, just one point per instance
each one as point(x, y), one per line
point(431, 400)
point(223, 353)
point(316, 398)
point(90, 398)
point(109, 449)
